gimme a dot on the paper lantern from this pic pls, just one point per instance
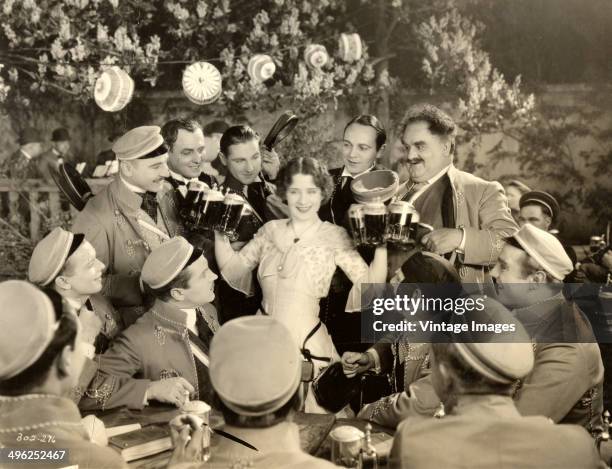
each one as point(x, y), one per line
point(350, 47)
point(261, 68)
point(316, 55)
point(114, 89)
point(202, 83)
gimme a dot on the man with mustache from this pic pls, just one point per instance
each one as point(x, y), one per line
point(470, 216)
point(126, 220)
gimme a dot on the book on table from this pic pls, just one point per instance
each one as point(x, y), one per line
point(141, 443)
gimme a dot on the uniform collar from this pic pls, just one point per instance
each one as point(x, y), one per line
point(284, 436)
point(493, 405)
point(132, 187)
point(126, 196)
point(40, 411)
point(235, 185)
point(179, 177)
point(190, 319)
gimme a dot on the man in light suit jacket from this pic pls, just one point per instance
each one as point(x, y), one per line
point(470, 216)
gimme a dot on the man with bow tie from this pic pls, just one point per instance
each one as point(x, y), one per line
point(67, 263)
point(164, 357)
point(470, 216)
point(126, 220)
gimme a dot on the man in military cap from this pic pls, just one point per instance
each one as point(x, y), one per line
point(470, 216)
point(482, 426)
point(164, 356)
point(22, 163)
point(539, 209)
point(257, 402)
point(566, 383)
point(40, 362)
point(67, 263)
point(125, 220)
point(49, 161)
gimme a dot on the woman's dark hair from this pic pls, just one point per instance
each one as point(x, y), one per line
point(36, 374)
point(263, 421)
point(235, 135)
point(305, 165)
point(370, 121)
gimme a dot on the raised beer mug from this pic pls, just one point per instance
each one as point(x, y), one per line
point(190, 209)
point(375, 221)
point(211, 210)
point(357, 223)
point(233, 206)
point(402, 220)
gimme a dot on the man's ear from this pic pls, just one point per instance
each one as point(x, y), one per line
point(64, 360)
point(223, 158)
point(539, 277)
point(177, 294)
point(381, 151)
point(61, 283)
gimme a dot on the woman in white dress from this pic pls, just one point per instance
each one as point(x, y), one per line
point(296, 258)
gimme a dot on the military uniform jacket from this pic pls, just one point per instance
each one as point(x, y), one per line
point(156, 347)
point(46, 416)
point(123, 235)
point(481, 209)
point(488, 432)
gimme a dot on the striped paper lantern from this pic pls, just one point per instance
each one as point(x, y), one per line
point(114, 89)
point(350, 47)
point(316, 55)
point(261, 67)
point(202, 83)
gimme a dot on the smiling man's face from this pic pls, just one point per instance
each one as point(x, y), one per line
point(426, 153)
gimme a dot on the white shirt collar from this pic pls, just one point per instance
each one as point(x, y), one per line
point(132, 187)
point(403, 189)
point(25, 153)
point(74, 304)
point(190, 321)
point(345, 172)
point(179, 177)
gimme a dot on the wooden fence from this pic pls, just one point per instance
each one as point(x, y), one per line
point(36, 202)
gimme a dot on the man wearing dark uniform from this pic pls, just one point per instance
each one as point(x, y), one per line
point(48, 163)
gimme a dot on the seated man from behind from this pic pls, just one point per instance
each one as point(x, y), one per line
point(255, 370)
point(482, 427)
point(40, 362)
point(164, 355)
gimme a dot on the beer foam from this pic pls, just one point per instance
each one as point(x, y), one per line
point(233, 199)
point(195, 185)
point(375, 209)
point(346, 433)
point(214, 195)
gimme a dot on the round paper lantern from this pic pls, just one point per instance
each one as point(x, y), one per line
point(202, 83)
point(261, 67)
point(114, 89)
point(316, 55)
point(350, 47)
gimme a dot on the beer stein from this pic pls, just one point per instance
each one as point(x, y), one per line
point(375, 220)
point(211, 210)
point(202, 410)
point(401, 223)
point(190, 207)
point(346, 444)
point(357, 223)
point(233, 206)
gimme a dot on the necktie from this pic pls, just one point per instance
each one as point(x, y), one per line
point(414, 187)
point(149, 204)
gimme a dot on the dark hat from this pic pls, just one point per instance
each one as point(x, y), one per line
point(544, 199)
point(29, 135)
point(60, 135)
